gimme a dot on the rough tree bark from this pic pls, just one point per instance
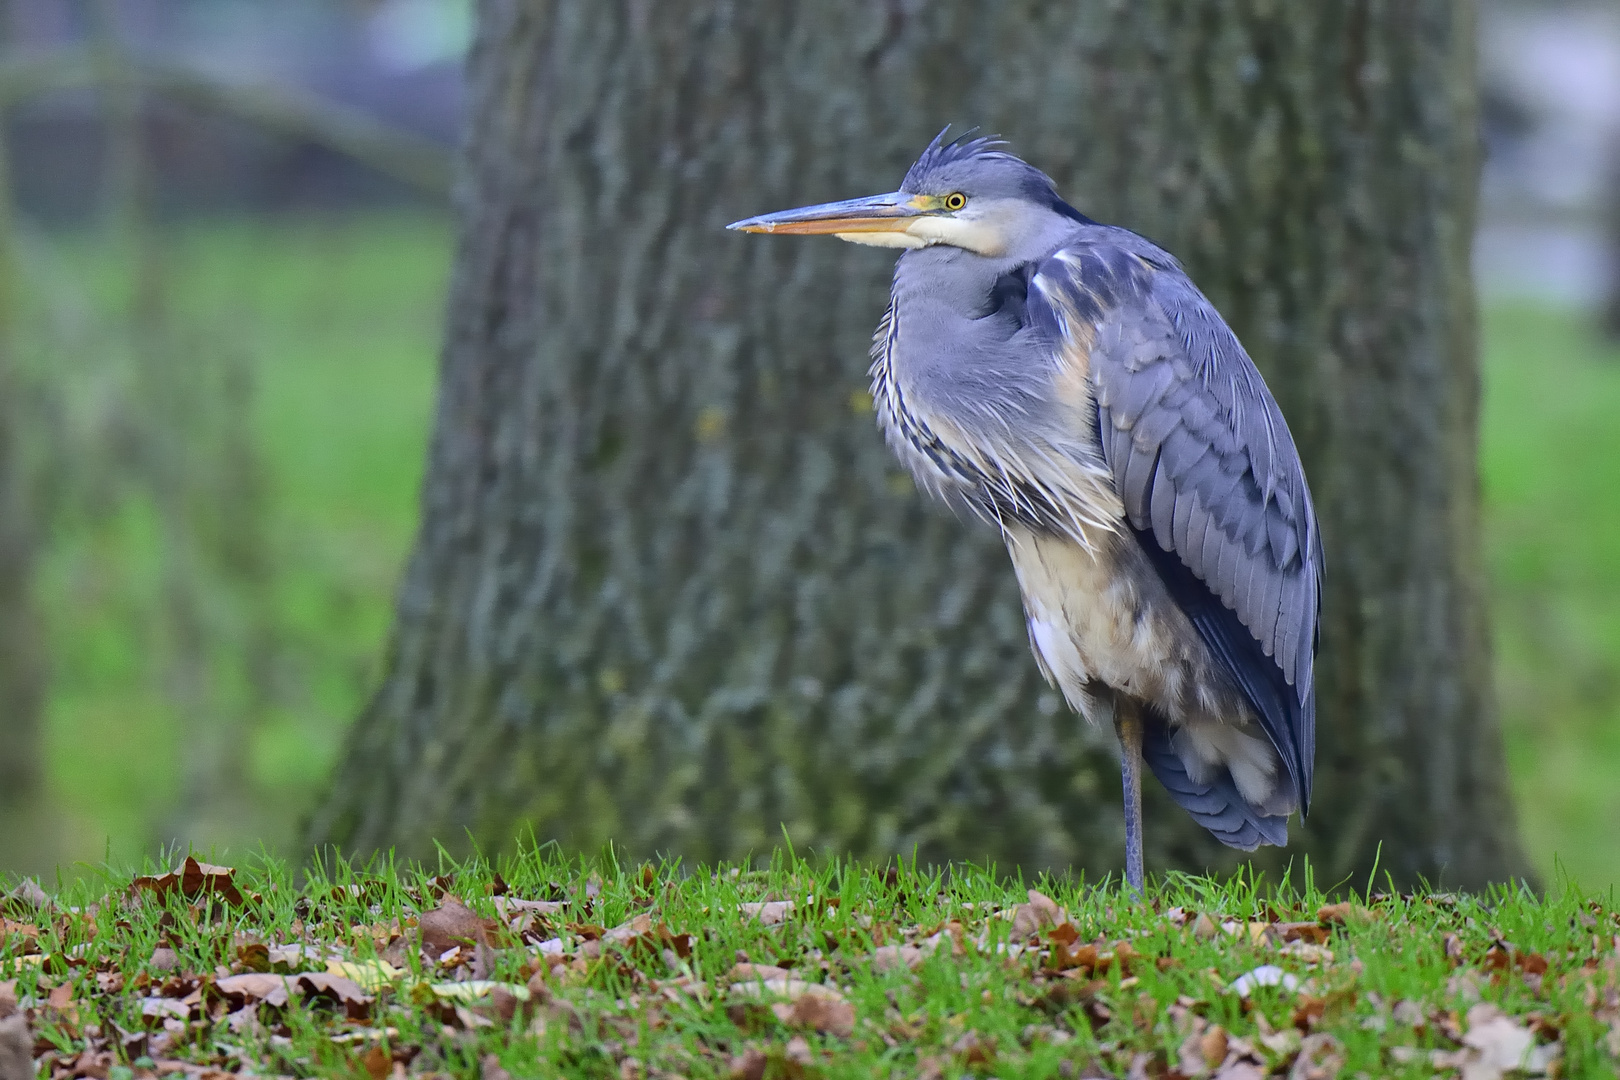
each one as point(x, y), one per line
point(670, 590)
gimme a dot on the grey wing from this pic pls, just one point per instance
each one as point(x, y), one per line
point(1208, 473)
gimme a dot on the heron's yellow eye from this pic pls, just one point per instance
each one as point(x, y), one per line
point(955, 201)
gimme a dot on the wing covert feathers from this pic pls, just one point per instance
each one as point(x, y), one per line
point(1208, 475)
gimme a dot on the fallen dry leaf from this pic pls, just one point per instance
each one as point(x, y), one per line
point(1241, 1068)
point(798, 1050)
point(277, 990)
point(1321, 1057)
point(253, 956)
point(1496, 1044)
point(368, 974)
point(1282, 1044)
point(1041, 911)
point(1307, 952)
point(894, 957)
point(773, 988)
point(506, 905)
point(680, 944)
point(750, 1064)
point(475, 990)
point(640, 934)
point(193, 880)
point(1084, 957)
point(1493, 1046)
point(1309, 1012)
point(770, 912)
point(1203, 1050)
point(160, 1007)
point(16, 1048)
point(19, 937)
point(1335, 913)
point(818, 1010)
point(625, 932)
point(289, 958)
point(273, 990)
point(812, 1005)
point(453, 924)
point(1190, 1060)
point(974, 1049)
point(355, 1001)
point(27, 896)
point(1313, 933)
point(745, 971)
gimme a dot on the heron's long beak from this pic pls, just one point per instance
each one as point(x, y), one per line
point(893, 212)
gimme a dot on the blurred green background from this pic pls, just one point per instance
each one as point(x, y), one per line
point(211, 708)
point(221, 391)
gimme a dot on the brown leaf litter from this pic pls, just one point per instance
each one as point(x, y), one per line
point(453, 925)
point(16, 1043)
point(193, 880)
point(816, 1006)
point(542, 966)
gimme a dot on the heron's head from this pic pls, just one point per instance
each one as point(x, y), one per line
point(969, 193)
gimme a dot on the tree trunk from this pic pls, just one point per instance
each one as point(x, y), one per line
point(670, 590)
point(22, 667)
point(22, 650)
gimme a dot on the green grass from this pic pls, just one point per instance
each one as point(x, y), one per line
point(337, 325)
point(617, 971)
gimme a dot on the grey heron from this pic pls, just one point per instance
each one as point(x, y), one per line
point(1067, 382)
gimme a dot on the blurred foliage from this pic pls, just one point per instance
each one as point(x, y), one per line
point(1551, 462)
point(228, 437)
point(291, 421)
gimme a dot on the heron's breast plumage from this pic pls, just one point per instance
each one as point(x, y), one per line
point(1001, 463)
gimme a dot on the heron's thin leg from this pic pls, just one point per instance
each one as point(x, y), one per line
point(1128, 723)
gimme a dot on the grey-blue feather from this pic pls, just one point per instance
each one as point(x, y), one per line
point(1205, 466)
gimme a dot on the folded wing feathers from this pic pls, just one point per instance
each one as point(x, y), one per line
point(1137, 485)
point(1196, 448)
point(1200, 455)
point(1267, 609)
point(1162, 510)
point(1190, 536)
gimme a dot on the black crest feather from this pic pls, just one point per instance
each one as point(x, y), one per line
point(964, 146)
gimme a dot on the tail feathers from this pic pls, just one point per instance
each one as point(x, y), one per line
point(1217, 806)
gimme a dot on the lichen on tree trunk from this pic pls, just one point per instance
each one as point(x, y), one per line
point(669, 588)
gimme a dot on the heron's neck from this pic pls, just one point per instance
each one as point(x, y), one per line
point(940, 299)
